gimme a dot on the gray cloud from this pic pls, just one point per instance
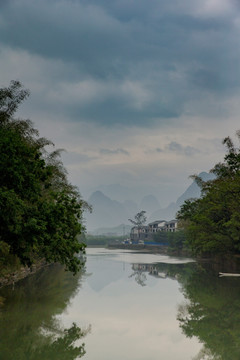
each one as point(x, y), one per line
point(158, 78)
point(146, 62)
point(180, 149)
point(177, 148)
point(113, 152)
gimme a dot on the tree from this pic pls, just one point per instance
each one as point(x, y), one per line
point(212, 223)
point(139, 220)
point(41, 213)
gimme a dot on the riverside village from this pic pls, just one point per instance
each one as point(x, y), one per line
point(145, 233)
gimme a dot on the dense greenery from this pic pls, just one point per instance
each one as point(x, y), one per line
point(102, 240)
point(40, 212)
point(175, 240)
point(98, 240)
point(212, 223)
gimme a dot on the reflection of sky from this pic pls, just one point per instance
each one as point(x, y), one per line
point(128, 321)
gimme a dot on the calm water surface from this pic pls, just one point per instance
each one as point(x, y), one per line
point(123, 305)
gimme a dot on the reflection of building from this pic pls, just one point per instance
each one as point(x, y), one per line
point(150, 268)
point(146, 232)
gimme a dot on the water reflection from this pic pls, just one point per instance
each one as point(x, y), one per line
point(57, 345)
point(162, 271)
point(211, 309)
point(28, 326)
point(132, 311)
point(140, 270)
point(211, 312)
point(141, 306)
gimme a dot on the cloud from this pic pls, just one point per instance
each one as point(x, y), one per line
point(153, 84)
point(130, 63)
point(177, 148)
point(180, 149)
point(113, 152)
point(209, 8)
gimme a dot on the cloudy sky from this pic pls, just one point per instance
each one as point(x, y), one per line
point(139, 92)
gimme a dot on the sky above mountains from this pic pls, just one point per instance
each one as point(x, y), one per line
point(139, 92)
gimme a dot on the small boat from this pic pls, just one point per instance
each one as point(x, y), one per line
point(221, 274)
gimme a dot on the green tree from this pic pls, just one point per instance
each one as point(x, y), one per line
point(212, 223)
point(41, 213)
point(139, 220)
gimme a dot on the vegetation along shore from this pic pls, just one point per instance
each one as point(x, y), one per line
point(41, 213)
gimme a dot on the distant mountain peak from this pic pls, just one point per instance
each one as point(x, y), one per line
point(106, 212)
point(193, 191)
point(97, 194)
point(109, 213)
point(149, 203)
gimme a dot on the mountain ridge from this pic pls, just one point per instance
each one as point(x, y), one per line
point(108, 213)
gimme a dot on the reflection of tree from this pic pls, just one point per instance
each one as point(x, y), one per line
point(139, 277)
point(61, 348)
point(28, 327)
point(212, 313)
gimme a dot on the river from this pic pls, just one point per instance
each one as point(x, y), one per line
point(122, 305)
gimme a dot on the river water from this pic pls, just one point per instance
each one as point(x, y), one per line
point(122, 305)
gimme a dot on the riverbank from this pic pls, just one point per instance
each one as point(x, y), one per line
point(158, 249)
point(21, 273)
point(229, 263)
point(141, 247)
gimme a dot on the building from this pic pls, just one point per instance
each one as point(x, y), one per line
point(146, 232)
point(171, 225)
point(139, 233)
point(156, 226)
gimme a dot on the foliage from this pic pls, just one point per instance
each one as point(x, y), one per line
point(161, 237)
point(103, 240)
point(212, 223)
point(95, 240)
point(40, 212)
point(139, 219)
point(175, 240)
